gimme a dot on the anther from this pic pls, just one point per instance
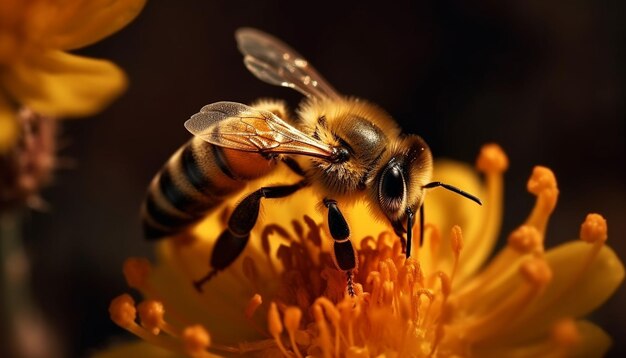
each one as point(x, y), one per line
point(594, 229)
point(137, 271)
point(525, 239)
point(456, 240)
point(542, 183)
point(122, 310)
point(292, 318)
point(492, 159)
point(565, 333)
point(253, 304)
point(536, 271)
point(273, 321)
point(541, 180)
point(151, 314)
point(446, 285)
point(196, 339)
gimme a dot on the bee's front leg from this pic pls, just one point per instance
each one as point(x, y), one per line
point(234, 238)
point(344, 253)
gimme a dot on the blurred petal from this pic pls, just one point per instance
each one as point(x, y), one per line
point(81, 23)
point(140, 349)
point(594, 343)
point(60, 84)
point(8, 126)
point(569, 294)
point(446, 209)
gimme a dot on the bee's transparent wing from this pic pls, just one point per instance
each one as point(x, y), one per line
point(274, 62)
point(237, 126)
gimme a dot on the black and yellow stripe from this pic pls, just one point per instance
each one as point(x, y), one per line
point(195, 180)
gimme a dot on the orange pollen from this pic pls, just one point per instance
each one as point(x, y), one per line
point(594, 229)
point(195, 339)
point(136, 271)
point(565, 333)
point(151, 314)
point(122, 310)
point(525, 239)
point(492, 159)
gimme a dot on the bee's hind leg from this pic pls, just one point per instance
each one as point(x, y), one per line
point(234, 238)
point(344, 253)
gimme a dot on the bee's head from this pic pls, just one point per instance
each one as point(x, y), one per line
point(401, 180)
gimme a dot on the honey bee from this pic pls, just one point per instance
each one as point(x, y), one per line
point(346, 148)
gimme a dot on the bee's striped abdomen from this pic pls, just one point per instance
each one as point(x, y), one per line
point(195, 180)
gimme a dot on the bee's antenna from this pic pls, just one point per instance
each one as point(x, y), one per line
point(453, 189)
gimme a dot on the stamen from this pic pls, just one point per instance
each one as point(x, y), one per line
point(196, 340)
point(566, 336)
point(594, 229)
point(456, 242)
point(526, 239)
point(137, 271)
point(292, 318)
point(122, 311)
point(334, 316)
point(275, 327)
point(499, 318)
point(324, 334)
point(492, 159)
point(151, 314)
point(542, 183)
point(253, 304)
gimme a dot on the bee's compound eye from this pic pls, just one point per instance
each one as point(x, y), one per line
point(392, 184)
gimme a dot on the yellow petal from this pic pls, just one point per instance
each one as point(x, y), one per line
point(569, 294)
point(64, 85)
point(446, 209)
point(141, 349)
point(8, 126)
point(81, 23)
point(596, 284)
point(594, 343)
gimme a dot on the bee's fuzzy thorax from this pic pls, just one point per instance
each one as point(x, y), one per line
point(361, 127)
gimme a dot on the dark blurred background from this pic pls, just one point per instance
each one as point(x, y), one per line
point(542, 78)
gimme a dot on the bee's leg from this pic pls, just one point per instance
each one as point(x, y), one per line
point(344, 253)
point(422, 225)
point(400, 231)
point(234, 238)
point(409, 231)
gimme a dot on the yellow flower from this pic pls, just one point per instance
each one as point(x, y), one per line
point(37, 73)
point(284, 297)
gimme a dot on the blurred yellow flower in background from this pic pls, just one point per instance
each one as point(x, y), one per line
point(41, 82)
point(284, 297)
point(36, 72)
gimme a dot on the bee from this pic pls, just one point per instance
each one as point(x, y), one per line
point(346, 148)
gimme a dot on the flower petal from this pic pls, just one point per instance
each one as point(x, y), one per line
point(60, 84)
point(570, 293)
point(8, 126)
point(445, 209)
point(82, 23)
point(594, 343)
